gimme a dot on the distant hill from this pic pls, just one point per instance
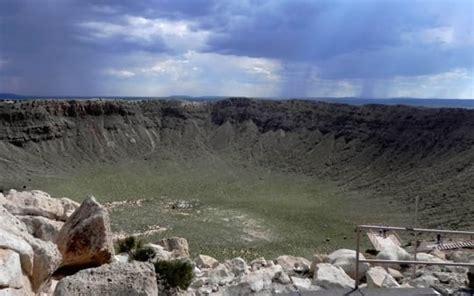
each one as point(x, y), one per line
point(432, 103)
point(4, 96)
point(417, 102)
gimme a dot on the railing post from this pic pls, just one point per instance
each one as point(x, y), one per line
point(413, 276)
point(357, 258)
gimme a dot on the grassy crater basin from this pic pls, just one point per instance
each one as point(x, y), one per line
point(227, 210)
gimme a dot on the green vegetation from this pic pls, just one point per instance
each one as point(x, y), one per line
point(175, 273)
point(134, 247)
point(128, 245)
point(143, 254)
point(240, 211)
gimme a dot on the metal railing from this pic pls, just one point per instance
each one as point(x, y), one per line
point(408, 262)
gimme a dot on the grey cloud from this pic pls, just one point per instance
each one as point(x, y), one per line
point(49, 53)
point(345, 39)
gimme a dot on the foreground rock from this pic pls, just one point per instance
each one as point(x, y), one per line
point(329, 276)
point(261, 280)
point(10, 241)
point(178, 246)
point(346, 259)
point(273, 277)
point(393, 252)
point(237, 266)
point(204, 261)
point(293, 264)
point(85, 240)
point(47, 259)
point(43, 215)
point(219, 275)
point(116, 279)
point(258, 263)
point(10, 269)
point(38, 259)
point(42, 228)
point(38, 203)
point(24, 290)
point(236, 277)
point(378, 277)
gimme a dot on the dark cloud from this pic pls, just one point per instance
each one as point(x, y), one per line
point(396, 61)
point(305, 30)
point(45, 50)
point(173, 9)
point(346, 39)
point(43, 55)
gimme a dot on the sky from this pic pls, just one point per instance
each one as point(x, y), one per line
point(254, 48)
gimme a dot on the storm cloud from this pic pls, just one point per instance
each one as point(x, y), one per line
point(253, 48)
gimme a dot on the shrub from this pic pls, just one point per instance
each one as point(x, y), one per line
point(143, 254)
point(128, 244)
point(175, 273)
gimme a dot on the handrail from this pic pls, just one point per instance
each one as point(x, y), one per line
point(415, 229)
point(416, 262)
point(413, 262)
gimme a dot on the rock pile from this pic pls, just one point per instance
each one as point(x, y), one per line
point(289, 274)
point(57, 247)
point(285, 274)
point(46, 244)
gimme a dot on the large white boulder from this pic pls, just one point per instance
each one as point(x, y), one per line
point(220, 275)
point(292, 264)
point(393, 252)
point(378, 277)
point(237, 266)
point(86, 238)
point(19, 245)
point(329, 276)
point(41, 227)
point(301, 284)
point(178, 246)
point(38, 203)
point(258, 263)
point(346, 259)
point(282, 278)
point(39, 259)
point(258, 280)
point(460, 256)
point(423, 281)
point(204, 261)
point(395, 274)
point(116, 279)
point(46, 260)
point(429, 258)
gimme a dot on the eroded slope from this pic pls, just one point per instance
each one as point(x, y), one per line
point(388, 150)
